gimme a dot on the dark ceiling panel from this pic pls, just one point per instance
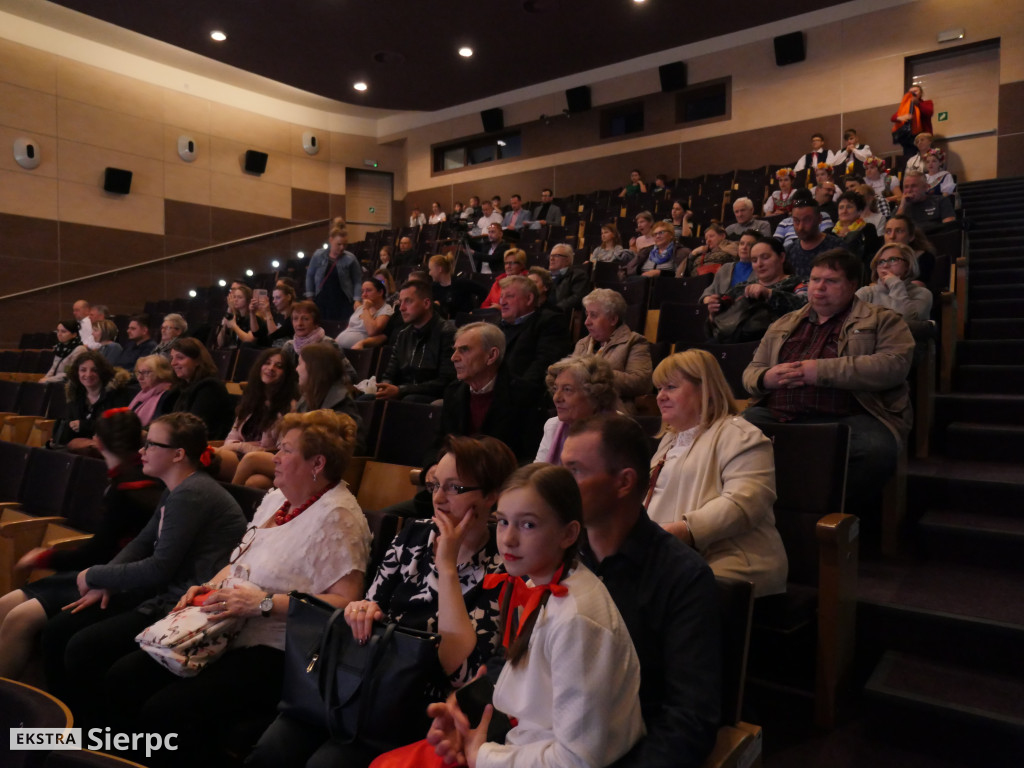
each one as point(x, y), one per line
point(407, 49)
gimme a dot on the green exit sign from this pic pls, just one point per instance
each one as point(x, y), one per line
point(372, 209)
point(943, 117)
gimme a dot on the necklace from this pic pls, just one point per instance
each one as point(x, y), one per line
point(286, 513)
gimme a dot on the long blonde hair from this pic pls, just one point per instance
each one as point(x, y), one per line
point(700, 368)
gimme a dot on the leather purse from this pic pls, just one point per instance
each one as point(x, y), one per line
point(375, 694)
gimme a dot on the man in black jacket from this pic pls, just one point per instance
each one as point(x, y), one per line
point(421, 363)
point(571, 285)
point(534, 338)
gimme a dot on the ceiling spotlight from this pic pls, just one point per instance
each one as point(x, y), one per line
point(222, 283)
point(192, 294)
point(219, 36)
point(275, 264)
point(326, 246)
point(638, 1)
point(360, 86)
point(249, 273)
point(465, 51)
point(300, 255)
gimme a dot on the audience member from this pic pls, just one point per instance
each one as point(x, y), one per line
point(173, 326)
point(155, 396)
point(515, 264)
point(125, 506)
point(923, 143)
point(240, 325)
point(818, 154)
point(858, 237)
point(579, 387)
point(887, 189)
point(416, 218)
point(369, 319)
point(872, 212)
point(929, 212)
point(306, 329)
point(275, 311)
point(823, 176)
point(489, 216)
point(713, 475)
point(810, 240)
point(570, 285)
point(198, 388)
point(662, 256)
point(743, 209)
point(680, 218)
point(709, 258)
point(852, 157)
point(902, 229)
point(139, 343)
point(939, 182)
point(894, 272)
point(496, 205)
point(839, 359)
point(534, 337)
point(333, 278)
point(644, 239)
point(489, 254)
point(786, 234)
point(407, 255)
point(547, 212)
point(93, 387)
point(431, 579)
point(610, 248)
point(664, 590)
point(636, 185)
point(384, 275)
point(660, 187)
point(453, 295)
point(518, 217)
point(541, 278)
point(780, 202)
point(81, 310)
point(472, 209)
point(735, 272)
point(609, 338)
point(104, 333)
point(420, 366)
point(68, 347)
point(825, 195)
point(437, 215)
point(386, 257)
point(308, 535)
point(916, 111)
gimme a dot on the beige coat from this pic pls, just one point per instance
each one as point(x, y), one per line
point(724, 488)
point(629, 355)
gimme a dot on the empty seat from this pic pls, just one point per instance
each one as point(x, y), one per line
point(33, 398)
point(408, 431)
point(679, 290)
point(247, 356)
point(683, 324)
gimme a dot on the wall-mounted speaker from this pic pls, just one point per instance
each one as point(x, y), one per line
point(493, 120)
point(255, 162)
point(187, 148)
point(26, 153)
point(790, 49)
point(672, 76)
point(310, 143)
point(117, 180)
point(578, 98)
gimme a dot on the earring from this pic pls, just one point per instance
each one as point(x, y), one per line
point(314, 475)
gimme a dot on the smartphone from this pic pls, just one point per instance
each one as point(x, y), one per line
point(260, 293)
point(474, 697)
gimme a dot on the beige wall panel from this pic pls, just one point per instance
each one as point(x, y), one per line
point(190, 113)
point(23, 194)
point(972, 159)
point(89, 204)
point(240, 192)
point(86, 124)
point(83, 164)
point(323, 138)
point(310, 175)
point(336, 179)
point(255, 131)
point(28, 110)
point(228, 157)
point(47, 146)
point(187, 183)
point(170, 147)
point(28, 67)
point(108, 90)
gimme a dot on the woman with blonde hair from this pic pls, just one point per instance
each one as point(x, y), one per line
point(515, 264)
point(104, 333)
point(894, 285)
point(452, 294)
point(155, 377)
point(713, 475)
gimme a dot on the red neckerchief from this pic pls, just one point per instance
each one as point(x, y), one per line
point(523, 596)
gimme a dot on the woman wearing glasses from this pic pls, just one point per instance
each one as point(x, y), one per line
point(189, 537)
point(309, 535)
point(432, 579)
point(893, 283)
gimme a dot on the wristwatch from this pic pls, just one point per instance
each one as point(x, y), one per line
point(267, 605)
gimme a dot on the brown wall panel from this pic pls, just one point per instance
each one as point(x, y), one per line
point(27, 237)
point(336, 206)
point(612, 172)
point(310, 206)
point(37, 313)
point(1011, 156)
point(233, 225)
point(86, 249)
point(187, 220)
point(1011, 108)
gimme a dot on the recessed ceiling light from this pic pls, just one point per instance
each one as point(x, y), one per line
point(638, 1)
point(193, 293)
point(249, 273)
point(275, 264)
point(465, 51)
point(219, 36)
point(222, 283)
point(360, 86)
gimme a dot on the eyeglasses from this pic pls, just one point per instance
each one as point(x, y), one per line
point(142, 372)
point(244, 544)
point(663, 232)
point(153, 444)
point(890, 260)
point(450, 488)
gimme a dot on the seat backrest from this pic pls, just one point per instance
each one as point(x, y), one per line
point(407, 432)
point(249, 499)
point(362, 361)
point(224, 359)
point(85, 507)
point(8, 395)
point(13, 461)
point(733, 360)
point(49, 479)
point(57, 402)
point(736, 601)
point(383, 526)
point(810, 482)
point(370, 412)
point(679, 290)
point(683, 324)
point(384, 485)
point(383, 359)
point(32, 399)
point(247, 357)
point(22, 706)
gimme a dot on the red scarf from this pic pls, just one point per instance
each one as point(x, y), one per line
point(523, 596)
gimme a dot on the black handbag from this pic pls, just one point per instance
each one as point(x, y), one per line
point(375, 693)
point(904, 134)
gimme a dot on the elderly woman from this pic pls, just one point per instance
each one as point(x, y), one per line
point(267, 396)
point(306, 327)
point(893, 283)
point(154, 397)
point(69, 346)
point(515, 264)
point(240, 326)
point(610, 248)
point(93, 386)
point(309, 535)
point(923, 142)
point(744, 311)
point(171, 328)
point(580, 387)
point(127, 503)
point(710, 257)
point(104, 333)
point(198, 388)
point(541, 278)
point(713, 475)
point(369, 319)
point(431, 579)
point(662, 256)
point(608, 337)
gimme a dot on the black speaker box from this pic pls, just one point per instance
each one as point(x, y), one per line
point(117, 180)
point(673, 76)
point(578, 99)
point(789, 49)
point(255, 162)
point(493, 120)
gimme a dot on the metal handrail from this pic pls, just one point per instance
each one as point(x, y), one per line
point(172, 257)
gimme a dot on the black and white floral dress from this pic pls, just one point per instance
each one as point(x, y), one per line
point(405, 588)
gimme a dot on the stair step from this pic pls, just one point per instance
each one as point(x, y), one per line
point(997, 276)
point(985, 309)
point(971, 716)
point(982, 260)
point(975, 537)
point(996, 328)
point(1003, 291)
point(978, 408)
point(941, 482)
point(990, 352)
point(993, 379)
point(978, 442)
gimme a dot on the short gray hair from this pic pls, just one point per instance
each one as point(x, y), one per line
point(746, 202)
point(522, 283)
point(593, 374)
point(177, 321)
point(568, 250)
point(490, 334)
point(607, 301)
